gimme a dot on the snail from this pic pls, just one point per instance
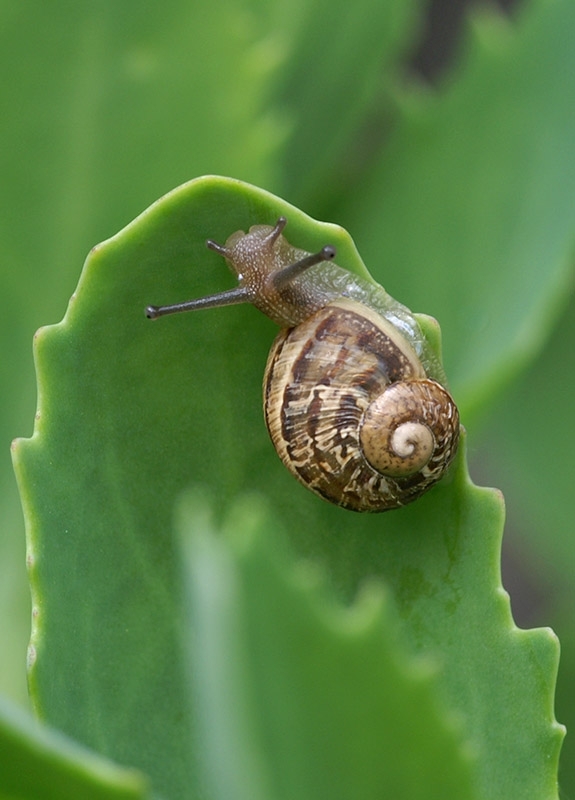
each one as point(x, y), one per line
point(353, 399)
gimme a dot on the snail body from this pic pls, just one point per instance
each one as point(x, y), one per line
point(350, 403)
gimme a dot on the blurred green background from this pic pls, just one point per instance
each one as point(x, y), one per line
point(106, 106)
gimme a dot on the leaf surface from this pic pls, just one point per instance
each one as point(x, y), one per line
point(132, 412)
point(299, 696)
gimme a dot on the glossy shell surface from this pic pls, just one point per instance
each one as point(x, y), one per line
point(326, 379)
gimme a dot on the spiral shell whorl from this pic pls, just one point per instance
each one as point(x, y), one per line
point(405, 426)
point(337, 388)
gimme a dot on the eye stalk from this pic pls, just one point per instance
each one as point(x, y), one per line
point(242, 294)
point(286, 275)
point(229, 298)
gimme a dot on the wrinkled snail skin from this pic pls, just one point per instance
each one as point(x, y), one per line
point(348, 402)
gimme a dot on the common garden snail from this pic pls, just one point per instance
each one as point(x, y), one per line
point(351, 399)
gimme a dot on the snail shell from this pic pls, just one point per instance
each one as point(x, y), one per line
point(351, 412)
point(348, 402)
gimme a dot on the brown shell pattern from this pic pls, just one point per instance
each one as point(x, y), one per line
point(322, 377)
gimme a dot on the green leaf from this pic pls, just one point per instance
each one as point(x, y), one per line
point(131, 413)
point(301, 697)
point(529, 449)
point(351, 46)
point(38, 763)
point(447, 585)
point(113, 395)
point(469, 213)
point(108, 106)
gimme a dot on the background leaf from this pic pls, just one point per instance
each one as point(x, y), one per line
point(353, 48)
point(470, 210)
point(527, 451)
point(40, 764)
point(107, 107)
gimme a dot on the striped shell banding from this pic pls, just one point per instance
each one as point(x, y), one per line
point(348, 403)
point(351, 413)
